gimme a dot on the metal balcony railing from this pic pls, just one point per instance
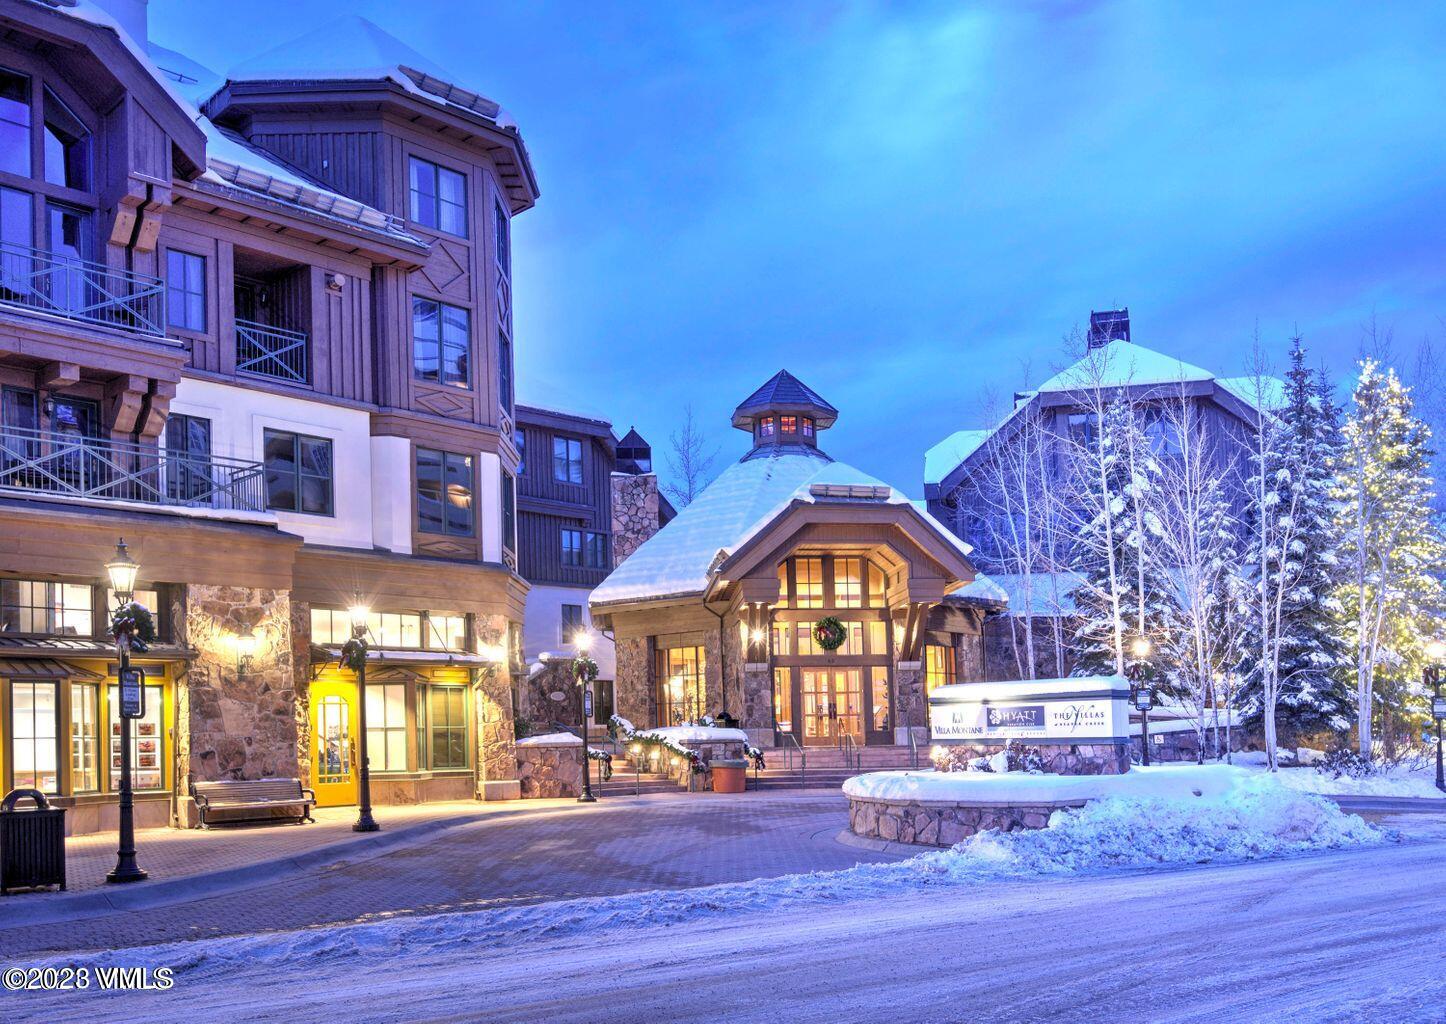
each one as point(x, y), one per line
point(272, 352)
point(44, 462)
point(80, 290)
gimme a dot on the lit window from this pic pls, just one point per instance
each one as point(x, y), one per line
point(54, 609)
point(387, 727)
point(447, 726)
point(444, 493)
point(35, 750)
point(765, 427)
point(395, 629)
point(438, 198)
point(878, 586)
point(880, 702)
point(848, 589)
point(782, 700)
point(788, 424)
point(782, 585)
point(782, 635)
point(808, 578)
point(148, 742)
point(84, 739)
point(680, 684)
point(938, 666)
point(446, 632)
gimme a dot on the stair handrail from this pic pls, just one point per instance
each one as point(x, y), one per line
point(789, 738)
point(913, 749)
point(849, 747)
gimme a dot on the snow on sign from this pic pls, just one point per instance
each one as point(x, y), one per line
point(1089, 710)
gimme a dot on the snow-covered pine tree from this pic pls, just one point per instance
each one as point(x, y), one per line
point(1392, 548)
point(1312, 695)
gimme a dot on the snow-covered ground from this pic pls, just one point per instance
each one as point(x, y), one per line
point(1408, 781)
point(1160, 782)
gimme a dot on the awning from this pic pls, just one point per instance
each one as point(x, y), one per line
point(44, 668)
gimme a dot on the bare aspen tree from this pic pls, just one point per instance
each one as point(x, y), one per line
point(690, 461)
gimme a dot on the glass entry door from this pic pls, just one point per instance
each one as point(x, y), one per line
point(334, 742)
point(832, 705)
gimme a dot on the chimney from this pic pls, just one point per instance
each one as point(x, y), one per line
point(130, 15)
point(1109, 325)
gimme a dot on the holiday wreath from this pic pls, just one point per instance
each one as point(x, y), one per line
point(133, 625)
point(829, 633)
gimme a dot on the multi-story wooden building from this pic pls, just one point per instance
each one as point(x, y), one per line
point(574, 479)
point(261, 327)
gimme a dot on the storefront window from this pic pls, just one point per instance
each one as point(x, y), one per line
point(938, 666)
point(782, 700)
point(447, 721)
point(54, 609)
point(387, 727)
point(84, 739)
point(148, 742)
point(680, 685)
point(35, 746)
point(447, 632)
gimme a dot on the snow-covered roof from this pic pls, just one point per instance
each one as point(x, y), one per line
point(1047, 593)
point(351, 48)
point(944, 457)
point(744, 499)
point(1249, 389)
point(1123, 364)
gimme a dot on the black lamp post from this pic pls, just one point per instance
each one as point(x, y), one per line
point(122, 571)
point(1436, 651)
point(364, 820)
point(582, 640)
point(1144, 693)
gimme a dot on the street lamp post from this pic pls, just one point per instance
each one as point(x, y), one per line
point(582, 640)
point(1436, 651)
point(360, 613)
point(1143, 693)
point(122, 571)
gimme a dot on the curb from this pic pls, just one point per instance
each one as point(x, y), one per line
point(70, 907)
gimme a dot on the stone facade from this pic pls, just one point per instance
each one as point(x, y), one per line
point(1061, 758)
point(236, 724)
point(496, 734)
point(633, 696)
point(550, 770)
point(635, 512)
point(943, 824)
point(539, 710)
point(910, 709)
point(757, 703)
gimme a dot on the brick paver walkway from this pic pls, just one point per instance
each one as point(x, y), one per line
point(553, 851)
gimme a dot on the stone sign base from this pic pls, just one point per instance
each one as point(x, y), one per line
point(1059, 758)
point(549, 771)
point(937, 823)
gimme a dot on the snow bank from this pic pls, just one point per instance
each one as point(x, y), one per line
point(1018, 787)
point(1254, 817)
point(552, 739)
point(1402, 781)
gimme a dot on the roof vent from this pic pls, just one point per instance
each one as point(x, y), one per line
point(1109, 325)
point(860, 492)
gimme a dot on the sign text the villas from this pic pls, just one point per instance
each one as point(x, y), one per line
point(1090, 710)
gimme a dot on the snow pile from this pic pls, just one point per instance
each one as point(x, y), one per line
point(1162, 782)
point(1252, 817)
point(695, 734)
point(552, 739)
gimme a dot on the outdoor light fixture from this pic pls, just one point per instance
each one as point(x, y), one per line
point(1140, 647)
point(360, 616)
point(122, 571)
point(1436, 652)
point(1144, 694)
point(245, 650)
point(582, 640)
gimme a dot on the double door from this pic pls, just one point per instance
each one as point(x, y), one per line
point(832, 701)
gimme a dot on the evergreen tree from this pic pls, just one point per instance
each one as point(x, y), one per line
point(1392, 550)
point(1312, 694)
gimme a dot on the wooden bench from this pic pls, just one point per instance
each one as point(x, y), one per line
point(235, 797)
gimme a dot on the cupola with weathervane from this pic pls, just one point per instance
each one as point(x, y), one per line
point(784, 415)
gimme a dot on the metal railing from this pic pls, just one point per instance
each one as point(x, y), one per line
point(913, 749)
point(848, 746)
point(44, 462)
point(272, 352)
point(81, 290)
point(789, 743)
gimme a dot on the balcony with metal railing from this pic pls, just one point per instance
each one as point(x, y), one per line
point(275, 352)
point(39, 463)
point(81, 291)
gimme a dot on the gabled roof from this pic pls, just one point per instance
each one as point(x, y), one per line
point(632, 439)
point(1270, 391)
point(1123, 364)
point(743, 501)
point(940, 460)
point(787, 393)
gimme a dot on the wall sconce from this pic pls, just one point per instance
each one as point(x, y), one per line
point(245, 651)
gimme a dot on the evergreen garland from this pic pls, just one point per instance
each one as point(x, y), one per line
point(354, 653)
point(133, 625)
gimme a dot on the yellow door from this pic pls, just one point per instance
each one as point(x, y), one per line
point(334, 741)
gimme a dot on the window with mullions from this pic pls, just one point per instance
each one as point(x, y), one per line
point(766, 427)
point(504, 371)
point(939, 667)
point(34, 736)
point(188, 457)
point(681, 671)
point(504, 241)
point(567, 460)
point(185, 290)
point(808, 582)
point(14, 122)
point(67, 145)
point(447, 726)
point(46, 608)
point(441, 343)
point(84, 738)
point(387, 727)
point(444, 493)
point(788, 424)
point(446, 632)
point(584, 549)
point(298, 473)
point(438, 197)
point(572, 547)
point(848, 587)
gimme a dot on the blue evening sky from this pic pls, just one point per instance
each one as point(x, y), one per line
point(906, 203)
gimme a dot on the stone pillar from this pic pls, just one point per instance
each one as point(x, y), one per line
point(756, 716)
point(909, 709)
point(496, 759)
point(633, 696)
point(540, 710)
point(634, 512)
point(234, 723)
point(301, 682)
point(549, 770)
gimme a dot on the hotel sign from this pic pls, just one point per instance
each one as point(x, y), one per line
point(1062, 711)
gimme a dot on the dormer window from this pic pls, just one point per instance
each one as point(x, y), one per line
point(765, 427)
point(789, 424)
point(807, 427)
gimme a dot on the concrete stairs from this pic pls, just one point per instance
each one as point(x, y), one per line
point(819, 768)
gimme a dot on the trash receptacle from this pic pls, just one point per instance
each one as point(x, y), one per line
point(32, 842)
point(730, 776)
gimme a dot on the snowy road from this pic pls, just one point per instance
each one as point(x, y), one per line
point(1348, 936)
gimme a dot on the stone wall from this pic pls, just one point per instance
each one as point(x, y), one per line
point(1060, 758)
point(757, 703)
point(236, 724)
point(1004, 648)
point(496, 759)
point(301, 678)
point(633, 686)
point(910, 710)
point(939, 824)
point(549, 771)
point(539, 710)
point(634, 512)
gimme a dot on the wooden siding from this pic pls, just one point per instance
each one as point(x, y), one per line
point(547, 506)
